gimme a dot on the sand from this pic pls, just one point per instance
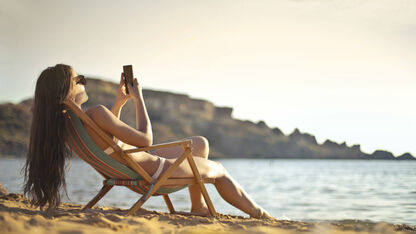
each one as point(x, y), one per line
point(17, 216)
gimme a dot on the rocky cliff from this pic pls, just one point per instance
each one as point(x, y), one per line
point(175, 116)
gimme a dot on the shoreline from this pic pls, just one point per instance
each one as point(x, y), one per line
point(17, 216)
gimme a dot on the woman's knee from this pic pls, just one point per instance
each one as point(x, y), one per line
point(208, 168)
point(200, 146)
point(221, 168)
point(216, 170)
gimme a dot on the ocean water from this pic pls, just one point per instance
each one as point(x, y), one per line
point(306, 190)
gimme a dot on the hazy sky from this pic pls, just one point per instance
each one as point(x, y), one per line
point(341, 70)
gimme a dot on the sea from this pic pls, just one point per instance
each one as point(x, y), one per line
point(290, 189)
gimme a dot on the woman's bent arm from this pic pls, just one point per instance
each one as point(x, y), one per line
point(106, 120)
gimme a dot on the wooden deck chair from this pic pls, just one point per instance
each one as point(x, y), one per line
point(129, 173)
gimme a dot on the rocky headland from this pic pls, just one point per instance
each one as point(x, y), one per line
point(175, 116)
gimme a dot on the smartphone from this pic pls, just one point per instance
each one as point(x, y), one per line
point(128, 76)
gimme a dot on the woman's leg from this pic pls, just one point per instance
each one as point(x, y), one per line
point(230, 190)
point(200, 148)
point(235, 195)
point(226, 186)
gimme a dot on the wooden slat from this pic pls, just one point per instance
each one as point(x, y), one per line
point(158, 146)
point(181, 181)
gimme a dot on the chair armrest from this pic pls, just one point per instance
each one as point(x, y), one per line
point(158, 146)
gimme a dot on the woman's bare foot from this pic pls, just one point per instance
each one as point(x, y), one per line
point(203, 211)
point(262, 214)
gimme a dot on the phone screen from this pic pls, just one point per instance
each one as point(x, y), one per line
point(128, 76)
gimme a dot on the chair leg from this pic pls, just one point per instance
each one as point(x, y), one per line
point(136, 206)
point(104, 190)
point(169, 203)
point(200, 182)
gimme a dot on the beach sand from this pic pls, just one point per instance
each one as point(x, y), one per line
point(17, 216)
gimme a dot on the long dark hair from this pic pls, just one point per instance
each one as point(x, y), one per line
point(44, 169)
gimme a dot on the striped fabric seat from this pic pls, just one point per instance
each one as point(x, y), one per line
point(115, 172)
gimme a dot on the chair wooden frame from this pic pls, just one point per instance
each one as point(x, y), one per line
point(153, 184)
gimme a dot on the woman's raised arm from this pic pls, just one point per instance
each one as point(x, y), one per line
point(110, 120)
point(142, 117)
point(107, 121)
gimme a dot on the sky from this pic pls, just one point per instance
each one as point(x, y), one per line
point(340, 70)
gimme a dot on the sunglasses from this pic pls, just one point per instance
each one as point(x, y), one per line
point(81, 80)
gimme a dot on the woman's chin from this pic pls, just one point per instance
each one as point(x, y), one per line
point(83, 99)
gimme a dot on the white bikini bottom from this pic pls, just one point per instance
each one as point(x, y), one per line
point(159, 170)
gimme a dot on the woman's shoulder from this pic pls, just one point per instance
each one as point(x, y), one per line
point(97, 110)
point(103, 117)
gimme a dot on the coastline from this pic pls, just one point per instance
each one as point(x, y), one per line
point(17, 216)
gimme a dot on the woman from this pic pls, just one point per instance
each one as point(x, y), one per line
point(47, 152)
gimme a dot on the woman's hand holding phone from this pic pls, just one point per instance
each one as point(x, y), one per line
point(135, 91)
